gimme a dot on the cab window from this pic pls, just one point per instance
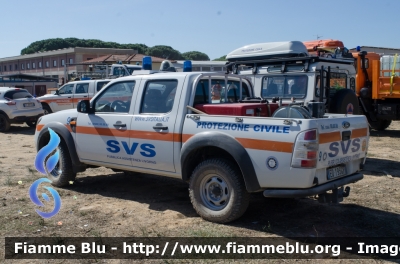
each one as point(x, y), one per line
point(66, 89)
point(158, 96)
point(284, 86)
point(116, 98)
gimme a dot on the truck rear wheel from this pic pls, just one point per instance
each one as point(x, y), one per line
point(344, 101)
point(217, 191)
point(62, 173)
point(380, 124)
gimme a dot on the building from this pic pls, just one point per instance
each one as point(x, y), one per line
point(379, 50)
point(51, 63)
point(135, 59)
point(36, 85)
point(43, 70)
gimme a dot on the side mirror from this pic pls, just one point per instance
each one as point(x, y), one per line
point(84, 107)
point(57, 92)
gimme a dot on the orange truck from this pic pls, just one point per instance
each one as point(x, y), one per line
point(377, 84)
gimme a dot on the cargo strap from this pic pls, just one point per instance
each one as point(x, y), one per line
point(393, 74)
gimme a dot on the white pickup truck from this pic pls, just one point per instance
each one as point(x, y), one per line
point(68, 96)
point(151, 123)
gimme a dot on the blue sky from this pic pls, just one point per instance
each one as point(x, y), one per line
point(213, 27)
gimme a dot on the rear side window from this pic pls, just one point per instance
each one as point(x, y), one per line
point(337, 81)
point(218, 91)
point(158, 96)
point(82, 88)
point(101, 85)
point(17, 94)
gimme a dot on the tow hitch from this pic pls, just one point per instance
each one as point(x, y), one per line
point(335, 197)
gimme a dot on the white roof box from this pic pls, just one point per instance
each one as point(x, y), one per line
point(269, 50)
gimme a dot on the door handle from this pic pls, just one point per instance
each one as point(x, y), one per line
point(160, 127)
point(69, 97)
point(119, 125)
point(85, 96)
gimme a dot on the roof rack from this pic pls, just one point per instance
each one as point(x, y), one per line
point(255, 63)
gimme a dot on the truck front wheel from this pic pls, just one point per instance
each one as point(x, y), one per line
point(217, 191)
point(380, 124)
point(62, 173)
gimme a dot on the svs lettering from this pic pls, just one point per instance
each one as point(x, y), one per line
point(147, 150)
point(343, 147)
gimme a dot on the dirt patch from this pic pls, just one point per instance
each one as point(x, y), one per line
point(103, 203)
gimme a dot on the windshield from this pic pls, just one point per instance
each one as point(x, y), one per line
point(284, 86)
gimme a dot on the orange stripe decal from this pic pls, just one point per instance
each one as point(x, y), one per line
point(102, 131)
point(266, 145)
point(360, 132)
point(329, 137)
point(185, 137)
point(151, 135)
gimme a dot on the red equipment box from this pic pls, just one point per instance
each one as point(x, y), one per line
point(238, 109)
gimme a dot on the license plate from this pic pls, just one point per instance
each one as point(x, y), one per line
point(29, 104)
point(336, 172)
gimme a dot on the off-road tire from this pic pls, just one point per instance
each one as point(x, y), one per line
point(4, 123)
point(65, 164)
point(380, 124)
point(47, 110)
point(212, 171)
point(31, 123)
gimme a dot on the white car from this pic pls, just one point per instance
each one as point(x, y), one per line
point(18, 106)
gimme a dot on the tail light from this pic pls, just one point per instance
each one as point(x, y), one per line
point(9, 101)
point(305, 150)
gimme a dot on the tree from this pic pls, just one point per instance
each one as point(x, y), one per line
point(141, 48)
point(59, 43)
point(195, 56)
point(165, 52)
point(222, 58)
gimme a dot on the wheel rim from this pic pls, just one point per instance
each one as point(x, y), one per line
point(57, 171)
point(214, 192)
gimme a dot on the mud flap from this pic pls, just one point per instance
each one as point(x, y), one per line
point(336, 196)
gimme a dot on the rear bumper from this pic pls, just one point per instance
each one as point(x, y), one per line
point(297, 193)
point(21, 119)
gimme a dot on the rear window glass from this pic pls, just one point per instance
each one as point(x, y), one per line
point(17, 94)
point(284, 86)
